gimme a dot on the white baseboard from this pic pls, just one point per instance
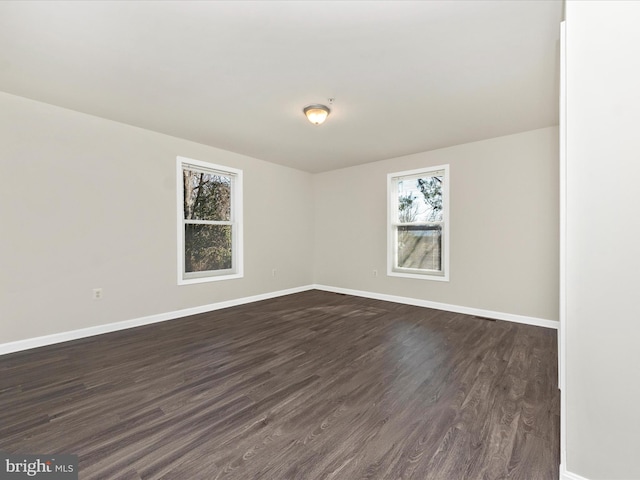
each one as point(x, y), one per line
point(566, 475)
point(510, 317)
point(29, 343)
point(137, 322)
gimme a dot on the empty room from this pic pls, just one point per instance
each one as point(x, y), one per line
point(299, 240)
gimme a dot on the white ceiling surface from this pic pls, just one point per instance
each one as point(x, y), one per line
point(406, 76)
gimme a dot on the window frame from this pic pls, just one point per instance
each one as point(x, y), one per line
point(237, 270)
point(393, 224)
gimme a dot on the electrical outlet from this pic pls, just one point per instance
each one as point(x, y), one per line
point(97, 294)
point(274, 272)
point(375, 273)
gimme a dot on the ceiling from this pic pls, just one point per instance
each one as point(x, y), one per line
point(406, 76)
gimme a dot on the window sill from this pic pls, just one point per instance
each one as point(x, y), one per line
point(419, 276)
point(214, 278)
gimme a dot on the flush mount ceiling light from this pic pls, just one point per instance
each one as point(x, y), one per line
point(316, 113)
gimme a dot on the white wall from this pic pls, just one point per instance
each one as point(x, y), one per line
point(504, 226)
point(86, 202)
point(603, 238)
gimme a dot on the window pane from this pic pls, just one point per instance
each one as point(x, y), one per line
point(420, 199)
point(207, 196)
point(207, 247)
point(420, 247)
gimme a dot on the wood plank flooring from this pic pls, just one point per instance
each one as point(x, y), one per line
point(309, 386)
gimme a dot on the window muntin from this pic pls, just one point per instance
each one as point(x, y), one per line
point(418, 224)
point(210, 222)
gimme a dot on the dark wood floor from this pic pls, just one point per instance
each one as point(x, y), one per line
point(309, 386)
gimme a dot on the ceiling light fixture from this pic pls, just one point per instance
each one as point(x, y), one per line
point(316, 113)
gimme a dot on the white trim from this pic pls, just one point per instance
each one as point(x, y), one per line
point(562, 332)
point(391, 238)
point(29, 343)
point(566, 475)
point(36, 342)
point(509, 317)
point(237, 247)
point(210, 278)
point(438, 277)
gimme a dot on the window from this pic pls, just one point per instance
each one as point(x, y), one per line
point(209, 222)
point(418, 244)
